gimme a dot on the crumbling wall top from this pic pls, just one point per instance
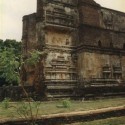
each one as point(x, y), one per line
point(89, 2)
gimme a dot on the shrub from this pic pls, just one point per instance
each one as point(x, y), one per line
point(5, 103)
point(66, 103)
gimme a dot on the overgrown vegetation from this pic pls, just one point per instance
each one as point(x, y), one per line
point(10, 63)
point(5, 103)
point(16, 45)
point(9, 66)
point(10, 54)
point(47, 108)
point(66, 103)
point(24, 111)
point(34, 57)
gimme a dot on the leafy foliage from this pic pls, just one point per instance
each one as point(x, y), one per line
point(66, 103)
point(10, 60)
point(9, 65)
point(10, 53)
point(11, 44)
point(35, 56)
point(23, 110)
point(10, 57)
point(5, 103)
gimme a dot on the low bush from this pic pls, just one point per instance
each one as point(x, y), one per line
point(6, 103)
point(66, 103)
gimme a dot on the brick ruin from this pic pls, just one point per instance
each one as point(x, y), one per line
point(85, 42)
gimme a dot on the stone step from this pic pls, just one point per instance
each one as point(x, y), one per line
point(56, 91)
point(60, 92)
point(61, 96)
point(106, 94)
point(60, 87)
point(113, 94)
point(61, 83)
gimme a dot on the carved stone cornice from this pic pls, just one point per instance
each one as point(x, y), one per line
point(102, 50)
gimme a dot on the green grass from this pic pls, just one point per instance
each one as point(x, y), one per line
point(51, 107)
point(109, 121)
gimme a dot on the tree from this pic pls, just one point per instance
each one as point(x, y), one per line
point(10, 54)
point(9, 66)
point(1, 45)
point(34, 63)
point(13, 44)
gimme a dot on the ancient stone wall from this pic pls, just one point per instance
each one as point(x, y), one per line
point(93, 65)
point(101, 38)
point(100, 26)
point(92, 14)
point(59, 64)
point(67, 28)
point(123, 66)
point(40, 9)
point(113, 20)
point(53, 29)
point(29, 33)
point(89, 14)
point(58, 38)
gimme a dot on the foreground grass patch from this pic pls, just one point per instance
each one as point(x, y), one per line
point(52, 107)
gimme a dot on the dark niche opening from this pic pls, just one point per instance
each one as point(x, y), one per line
point(111, 44)
point(99, 43)
point(67, 41)
point(124, 46)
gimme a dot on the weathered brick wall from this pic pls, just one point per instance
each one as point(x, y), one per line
point(40, 8)
point(111, 19)
point(100, 24)
point(108, 38)
point(98, 28)
point(58, 38)
point(29, 32)
point(123, 66)
point(90, 64)
point(15, 93)
point(89, 15)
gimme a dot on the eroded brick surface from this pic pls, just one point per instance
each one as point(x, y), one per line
point(84, 40)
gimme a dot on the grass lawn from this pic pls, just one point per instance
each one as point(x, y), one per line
point(109, 121)
point(53, 107)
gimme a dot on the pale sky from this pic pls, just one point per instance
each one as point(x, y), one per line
point(12, 11)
